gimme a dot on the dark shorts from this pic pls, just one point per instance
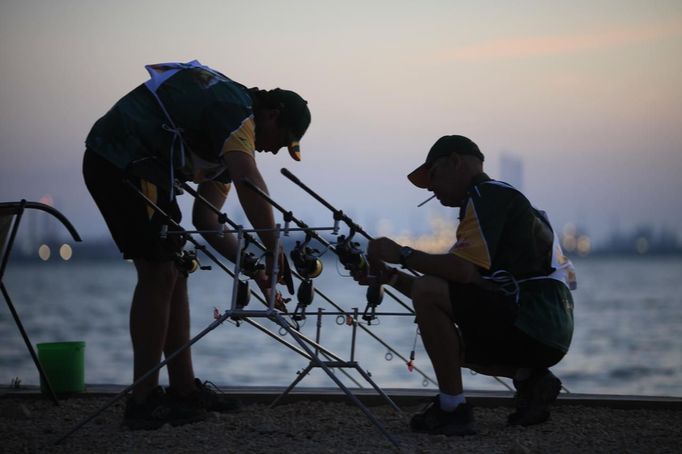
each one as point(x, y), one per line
point(486, 321)
point(125, 212)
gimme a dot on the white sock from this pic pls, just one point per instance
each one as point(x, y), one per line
point(448, 402)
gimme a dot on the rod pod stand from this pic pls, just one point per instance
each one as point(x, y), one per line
point(314, 234)
point(300, 338)
point(315, 361)
point(222, 217)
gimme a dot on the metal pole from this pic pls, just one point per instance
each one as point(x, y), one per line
point(237, 269)
point(355, 330)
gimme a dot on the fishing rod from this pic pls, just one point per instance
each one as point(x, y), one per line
point(289, 215)
point(348, 251)
point(342, 314)
point(340, 215)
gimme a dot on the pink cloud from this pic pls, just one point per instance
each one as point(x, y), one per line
point(566, 44)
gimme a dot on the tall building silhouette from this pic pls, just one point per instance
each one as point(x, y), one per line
point(511, 170)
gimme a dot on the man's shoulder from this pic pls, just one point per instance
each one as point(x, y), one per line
point(199, 81)
point(494, 191)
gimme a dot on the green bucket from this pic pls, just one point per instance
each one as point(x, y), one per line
point(64, 365)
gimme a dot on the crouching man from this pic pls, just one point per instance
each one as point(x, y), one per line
point(498, 302)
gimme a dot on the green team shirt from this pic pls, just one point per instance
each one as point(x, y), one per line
point(500, 230)
point(214, 115)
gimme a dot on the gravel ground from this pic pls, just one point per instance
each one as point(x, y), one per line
point(32, 424)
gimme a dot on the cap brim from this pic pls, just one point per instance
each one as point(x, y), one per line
point(420, 176)
point(295, 151)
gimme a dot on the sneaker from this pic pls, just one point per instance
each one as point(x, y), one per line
point(434, 420)
point(208, 397)
point(533, 398)
point(157, 410)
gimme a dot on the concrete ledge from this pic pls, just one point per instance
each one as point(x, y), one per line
point(401, 396)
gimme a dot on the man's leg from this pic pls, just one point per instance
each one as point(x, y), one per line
point(149, 316)
point(449, 414)
point(183, 385)
point(180, 370)
point(495, 371)
point(431, 299)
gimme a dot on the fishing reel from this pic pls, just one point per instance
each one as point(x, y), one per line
point(306, 259)
point(375, 295)
point(308, 264)
point(353, 259)
point(250, 266)
point(188, 262)
point(350, 254)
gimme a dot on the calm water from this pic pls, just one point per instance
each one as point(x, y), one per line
point(628, 337)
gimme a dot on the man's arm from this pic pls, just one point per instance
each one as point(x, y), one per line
point(447, 266)
point(258, 210)
point(205, 219)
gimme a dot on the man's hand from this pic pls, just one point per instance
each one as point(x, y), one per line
point(284, 275)
point(383, 249)
point(263, 281)
point(377, 273)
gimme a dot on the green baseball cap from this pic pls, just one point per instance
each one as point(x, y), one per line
point(443, 147)
point(294, 115)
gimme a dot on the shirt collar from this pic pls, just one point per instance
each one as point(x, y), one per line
point(475, 181)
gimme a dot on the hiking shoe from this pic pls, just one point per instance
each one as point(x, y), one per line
point(208, 397)
point(533, 398)
point(434, 420)
point(157, 410)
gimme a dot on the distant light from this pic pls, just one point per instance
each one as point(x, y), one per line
point(569, 243)
point(65, 252)
point(44, 252)
point(47, 199)
point(570, 230)
point(642, 245)
point(584, 245)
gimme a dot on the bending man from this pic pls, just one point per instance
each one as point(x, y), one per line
point(187, 123)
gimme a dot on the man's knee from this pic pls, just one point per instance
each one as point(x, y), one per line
point(156, 273)
point(429, 292)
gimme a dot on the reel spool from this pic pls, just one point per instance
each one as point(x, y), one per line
point(350, 254)
point(188, 262)
point(306, 260)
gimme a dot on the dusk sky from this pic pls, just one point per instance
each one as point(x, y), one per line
point(588, 94)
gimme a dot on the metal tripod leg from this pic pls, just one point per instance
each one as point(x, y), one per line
point(293, 384)
point(3, 266)
point(41, 371)
point(381, 392)
point(279, 320)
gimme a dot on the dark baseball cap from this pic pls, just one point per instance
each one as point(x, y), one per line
point(294, 115)
point(443, 147)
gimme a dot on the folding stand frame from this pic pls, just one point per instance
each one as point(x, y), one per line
point(350, 364)
point(237, 313)
point(10, 218)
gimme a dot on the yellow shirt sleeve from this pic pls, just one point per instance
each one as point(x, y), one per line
point(242, 139)
point(471, 245)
